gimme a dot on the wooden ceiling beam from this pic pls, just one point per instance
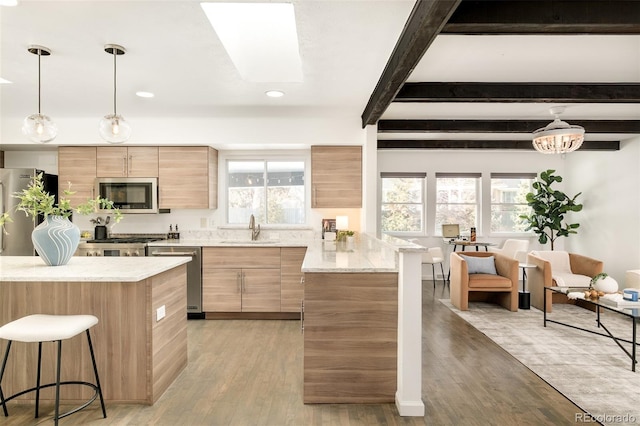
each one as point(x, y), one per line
point(502, 126)
point(520, 92)
point(482, 144)
point(545, 17)
point(423, 25)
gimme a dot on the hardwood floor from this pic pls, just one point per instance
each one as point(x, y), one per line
point(249, 372)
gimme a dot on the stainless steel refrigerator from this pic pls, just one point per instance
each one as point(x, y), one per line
point(16, 241)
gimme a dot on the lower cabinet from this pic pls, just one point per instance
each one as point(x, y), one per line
point(241, 279)
point(291, 285)
point(241, 290)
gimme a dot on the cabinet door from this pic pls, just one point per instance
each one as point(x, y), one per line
point(261, 290)
point(142, 161)
point(221, 290)
point(336, 176)
point(111, 161)
point(185, 179)
point(292, 289)
point(77, 165)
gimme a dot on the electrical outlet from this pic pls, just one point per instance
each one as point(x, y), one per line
point(203, 222)
point(160, 313)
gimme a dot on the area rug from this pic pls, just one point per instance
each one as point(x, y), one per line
point(591, 371)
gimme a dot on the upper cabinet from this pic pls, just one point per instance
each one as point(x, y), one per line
point(336, 176)
point(77, 165)
point(188, 177)
point(122, 161)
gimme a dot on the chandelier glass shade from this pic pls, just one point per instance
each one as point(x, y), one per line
point(558, 137)
point(38, 127)
point(113, 127)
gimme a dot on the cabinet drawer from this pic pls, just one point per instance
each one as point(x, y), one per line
point(241, 257)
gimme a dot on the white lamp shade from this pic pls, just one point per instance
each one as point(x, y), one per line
point(342, 223)
point(114, 129)
point(39, 128)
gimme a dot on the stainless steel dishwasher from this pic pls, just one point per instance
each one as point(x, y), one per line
point(194, 275)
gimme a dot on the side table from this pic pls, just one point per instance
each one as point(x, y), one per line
point(524, 297)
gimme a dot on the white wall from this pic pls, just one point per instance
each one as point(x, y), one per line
point(610, 220)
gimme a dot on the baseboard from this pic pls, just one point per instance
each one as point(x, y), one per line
point(410, 408)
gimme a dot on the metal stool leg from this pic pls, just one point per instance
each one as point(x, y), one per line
point(4, 364)
point(38, 378)
point(444, 281)
point(95, 370)
point(433, 272)
point(57, 412)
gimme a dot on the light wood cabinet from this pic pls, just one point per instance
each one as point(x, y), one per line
point(241, 279)
point(291, 278)
point(122, 161)
point(188, 177)
point(350, 337)
point(336, 176)
point(77, 165)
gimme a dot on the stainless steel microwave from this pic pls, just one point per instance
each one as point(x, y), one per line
point(130, 195)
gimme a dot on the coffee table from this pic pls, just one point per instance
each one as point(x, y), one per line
point(633, 313)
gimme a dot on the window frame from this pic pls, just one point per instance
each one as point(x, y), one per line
point(478, 200)
point(423, 191)
point(289, 156)
point(502, 175)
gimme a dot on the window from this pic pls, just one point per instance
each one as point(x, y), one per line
point(402, 203)
point(457, 198)
point(508, 201)
point(273, 191)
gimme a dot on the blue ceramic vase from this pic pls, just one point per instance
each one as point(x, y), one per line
point(56, 240)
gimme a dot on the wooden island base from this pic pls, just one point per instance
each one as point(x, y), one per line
point(350, 337)
point(137, 356)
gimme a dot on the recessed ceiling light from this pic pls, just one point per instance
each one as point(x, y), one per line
point(3, 81)
point(260, 38)
point(8, 2)
point(145, 94)
point(274, 93)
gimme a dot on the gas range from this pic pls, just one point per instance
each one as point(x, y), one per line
point(118, 245)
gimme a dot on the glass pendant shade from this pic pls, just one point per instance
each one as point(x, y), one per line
point(558, 137)
point(39, 128)
point(114, 129)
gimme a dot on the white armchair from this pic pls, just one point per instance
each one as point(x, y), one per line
point(516, 249)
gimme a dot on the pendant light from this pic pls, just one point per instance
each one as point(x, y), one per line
point(113, 127)
point(38, 127)
point(558, 137)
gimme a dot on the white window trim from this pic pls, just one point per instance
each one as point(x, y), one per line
point(487, 192)
point(284, 155)
point(404, 234)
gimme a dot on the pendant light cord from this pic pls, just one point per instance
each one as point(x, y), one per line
point(115, 55)
point(39, 56)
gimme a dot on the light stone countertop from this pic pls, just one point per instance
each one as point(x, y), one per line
point(365, 254)
point(86, 269)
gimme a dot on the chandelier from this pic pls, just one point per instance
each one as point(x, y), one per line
point(558, 137)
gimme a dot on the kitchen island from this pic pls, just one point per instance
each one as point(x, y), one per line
point(362, 315)
point(140, 340)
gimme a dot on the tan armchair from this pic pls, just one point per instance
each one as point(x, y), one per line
point(501, 288)
point(582, 269)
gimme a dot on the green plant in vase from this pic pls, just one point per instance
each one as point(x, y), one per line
point(55, 248)
point(342, 235)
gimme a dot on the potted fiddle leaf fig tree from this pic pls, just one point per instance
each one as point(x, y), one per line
point(548, 209)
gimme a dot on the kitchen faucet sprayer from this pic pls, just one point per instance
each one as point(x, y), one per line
point(254, 231)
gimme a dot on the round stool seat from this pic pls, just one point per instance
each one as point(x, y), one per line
point(44, 328)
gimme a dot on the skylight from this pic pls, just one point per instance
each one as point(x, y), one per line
point(260, 38)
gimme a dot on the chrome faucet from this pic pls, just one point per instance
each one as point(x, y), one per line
point(254, 232)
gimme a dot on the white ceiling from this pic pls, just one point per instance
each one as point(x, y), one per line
point(173, 52)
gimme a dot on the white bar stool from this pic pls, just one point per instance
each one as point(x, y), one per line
point(46, 328)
